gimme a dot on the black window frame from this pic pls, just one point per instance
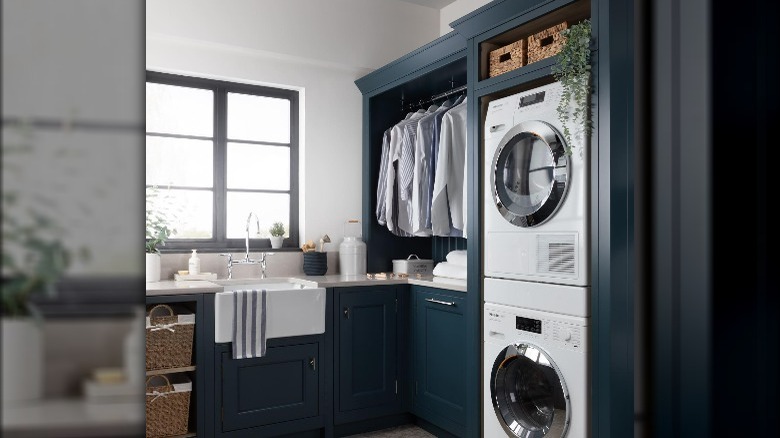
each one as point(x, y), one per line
point(219, 241)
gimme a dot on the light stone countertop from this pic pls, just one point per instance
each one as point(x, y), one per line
point(202, 286)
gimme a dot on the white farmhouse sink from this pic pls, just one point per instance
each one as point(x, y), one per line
point(293, 308)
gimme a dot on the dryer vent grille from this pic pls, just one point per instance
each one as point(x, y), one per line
point(556, 255)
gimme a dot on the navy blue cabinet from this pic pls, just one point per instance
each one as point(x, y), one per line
point(366, 324)
point(275, 394)
point(439, 357)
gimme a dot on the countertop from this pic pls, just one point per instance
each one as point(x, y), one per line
point(170, 287)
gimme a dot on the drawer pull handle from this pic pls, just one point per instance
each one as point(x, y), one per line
point(313, 364)
point(446, 303)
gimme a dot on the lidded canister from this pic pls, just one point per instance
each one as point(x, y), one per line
point(352, 250)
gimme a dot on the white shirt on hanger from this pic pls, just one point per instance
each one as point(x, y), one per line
point(448, 204)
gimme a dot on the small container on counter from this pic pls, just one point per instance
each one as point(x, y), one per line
point(352, 250)
point(413, 266)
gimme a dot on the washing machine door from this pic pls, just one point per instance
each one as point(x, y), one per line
point(529, 394)
point(530, 174)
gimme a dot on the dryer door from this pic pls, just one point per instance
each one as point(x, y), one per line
point(530, 174)
point(529, 394)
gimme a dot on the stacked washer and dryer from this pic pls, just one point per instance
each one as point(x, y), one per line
point(536, 285)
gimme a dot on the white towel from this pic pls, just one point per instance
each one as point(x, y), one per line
point(445, 269)
point(249, 319)
point(457, 257)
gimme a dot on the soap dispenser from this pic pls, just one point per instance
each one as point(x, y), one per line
point(194, 266)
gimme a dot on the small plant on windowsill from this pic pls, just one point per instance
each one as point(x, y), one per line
point(572, 70)
point(158, 231)
point(277, 234)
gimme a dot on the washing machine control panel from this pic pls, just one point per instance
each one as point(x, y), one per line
point(502, 325)
point(528, 324)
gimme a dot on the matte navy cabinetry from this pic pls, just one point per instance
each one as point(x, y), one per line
point(278, 393)
point(439, 357)
point(367, 354)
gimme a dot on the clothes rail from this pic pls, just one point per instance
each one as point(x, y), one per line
point(433, 99)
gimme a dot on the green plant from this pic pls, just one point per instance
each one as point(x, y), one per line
point(158, 229)
point(572, 70)
point(277, 229)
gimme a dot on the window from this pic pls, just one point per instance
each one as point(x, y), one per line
point(218, 151)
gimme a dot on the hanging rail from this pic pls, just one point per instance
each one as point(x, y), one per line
point(420, 103)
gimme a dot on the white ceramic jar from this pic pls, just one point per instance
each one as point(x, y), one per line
point(352, 256)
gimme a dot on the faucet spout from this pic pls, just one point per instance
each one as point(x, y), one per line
point(248, 222)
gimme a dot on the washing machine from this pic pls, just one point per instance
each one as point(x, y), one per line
point(536, 364)
point(536, 195)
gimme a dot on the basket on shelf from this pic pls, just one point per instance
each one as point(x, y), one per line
point(546, 43)
point(167, 406)
point(507, 58)
point(168, 339)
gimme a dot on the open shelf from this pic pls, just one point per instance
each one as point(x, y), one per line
point(170, 371)
point(573, 13)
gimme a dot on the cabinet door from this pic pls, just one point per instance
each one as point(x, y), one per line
point(281, 386)
point(367, 347)
point(439, 357)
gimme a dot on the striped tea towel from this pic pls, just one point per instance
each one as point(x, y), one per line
point(249, 307)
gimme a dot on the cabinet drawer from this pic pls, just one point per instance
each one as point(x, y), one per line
point(282, 386)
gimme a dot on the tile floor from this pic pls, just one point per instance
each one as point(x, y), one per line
point(405, 431)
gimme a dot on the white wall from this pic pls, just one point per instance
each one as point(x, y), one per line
point(455, 10)
point(314, 46)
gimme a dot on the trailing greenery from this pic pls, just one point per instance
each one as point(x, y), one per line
point(277, 229)
point(573, 72)
point(158, 229)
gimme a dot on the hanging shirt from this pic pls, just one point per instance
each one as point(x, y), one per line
point(448, 208)
point(433, 160)
point(381, 186)
point(425, 143)
point(398, 214)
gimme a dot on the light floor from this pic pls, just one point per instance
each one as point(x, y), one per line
point(405, 431)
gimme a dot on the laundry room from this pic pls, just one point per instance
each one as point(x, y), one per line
point(377, 218)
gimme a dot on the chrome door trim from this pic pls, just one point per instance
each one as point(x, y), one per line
point(508, 353)
point(561, 173)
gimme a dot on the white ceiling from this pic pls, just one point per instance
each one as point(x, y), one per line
point(435, 4)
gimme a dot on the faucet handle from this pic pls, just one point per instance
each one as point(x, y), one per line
point(227, 254)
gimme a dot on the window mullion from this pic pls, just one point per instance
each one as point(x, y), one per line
point(220, 164)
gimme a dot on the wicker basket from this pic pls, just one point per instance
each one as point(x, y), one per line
point(168, 339)
point(167, 408)
point(507, 58)
point(546, 43)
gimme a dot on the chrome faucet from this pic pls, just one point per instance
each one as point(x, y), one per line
point(248, 221)
point(246, 260)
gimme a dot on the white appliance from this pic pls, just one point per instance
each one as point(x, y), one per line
point(536, 212)
point(535, 361)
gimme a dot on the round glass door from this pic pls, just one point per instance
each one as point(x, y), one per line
point(530, 174)
point(528, 393)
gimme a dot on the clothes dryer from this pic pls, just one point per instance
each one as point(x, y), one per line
point(535, 362)
point(536, 212)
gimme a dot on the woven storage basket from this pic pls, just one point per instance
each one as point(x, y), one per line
point(167, 408)
point(507, 58)
point(546, 43)
point(168, 339)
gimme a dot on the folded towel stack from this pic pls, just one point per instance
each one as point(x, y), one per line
point(454, 267)
point(249, 322)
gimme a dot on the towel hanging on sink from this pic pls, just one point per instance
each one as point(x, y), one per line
point(249, 322)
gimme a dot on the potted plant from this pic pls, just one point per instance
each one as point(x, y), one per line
point(277, 235)
point(572, 70)
point(157, 232)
